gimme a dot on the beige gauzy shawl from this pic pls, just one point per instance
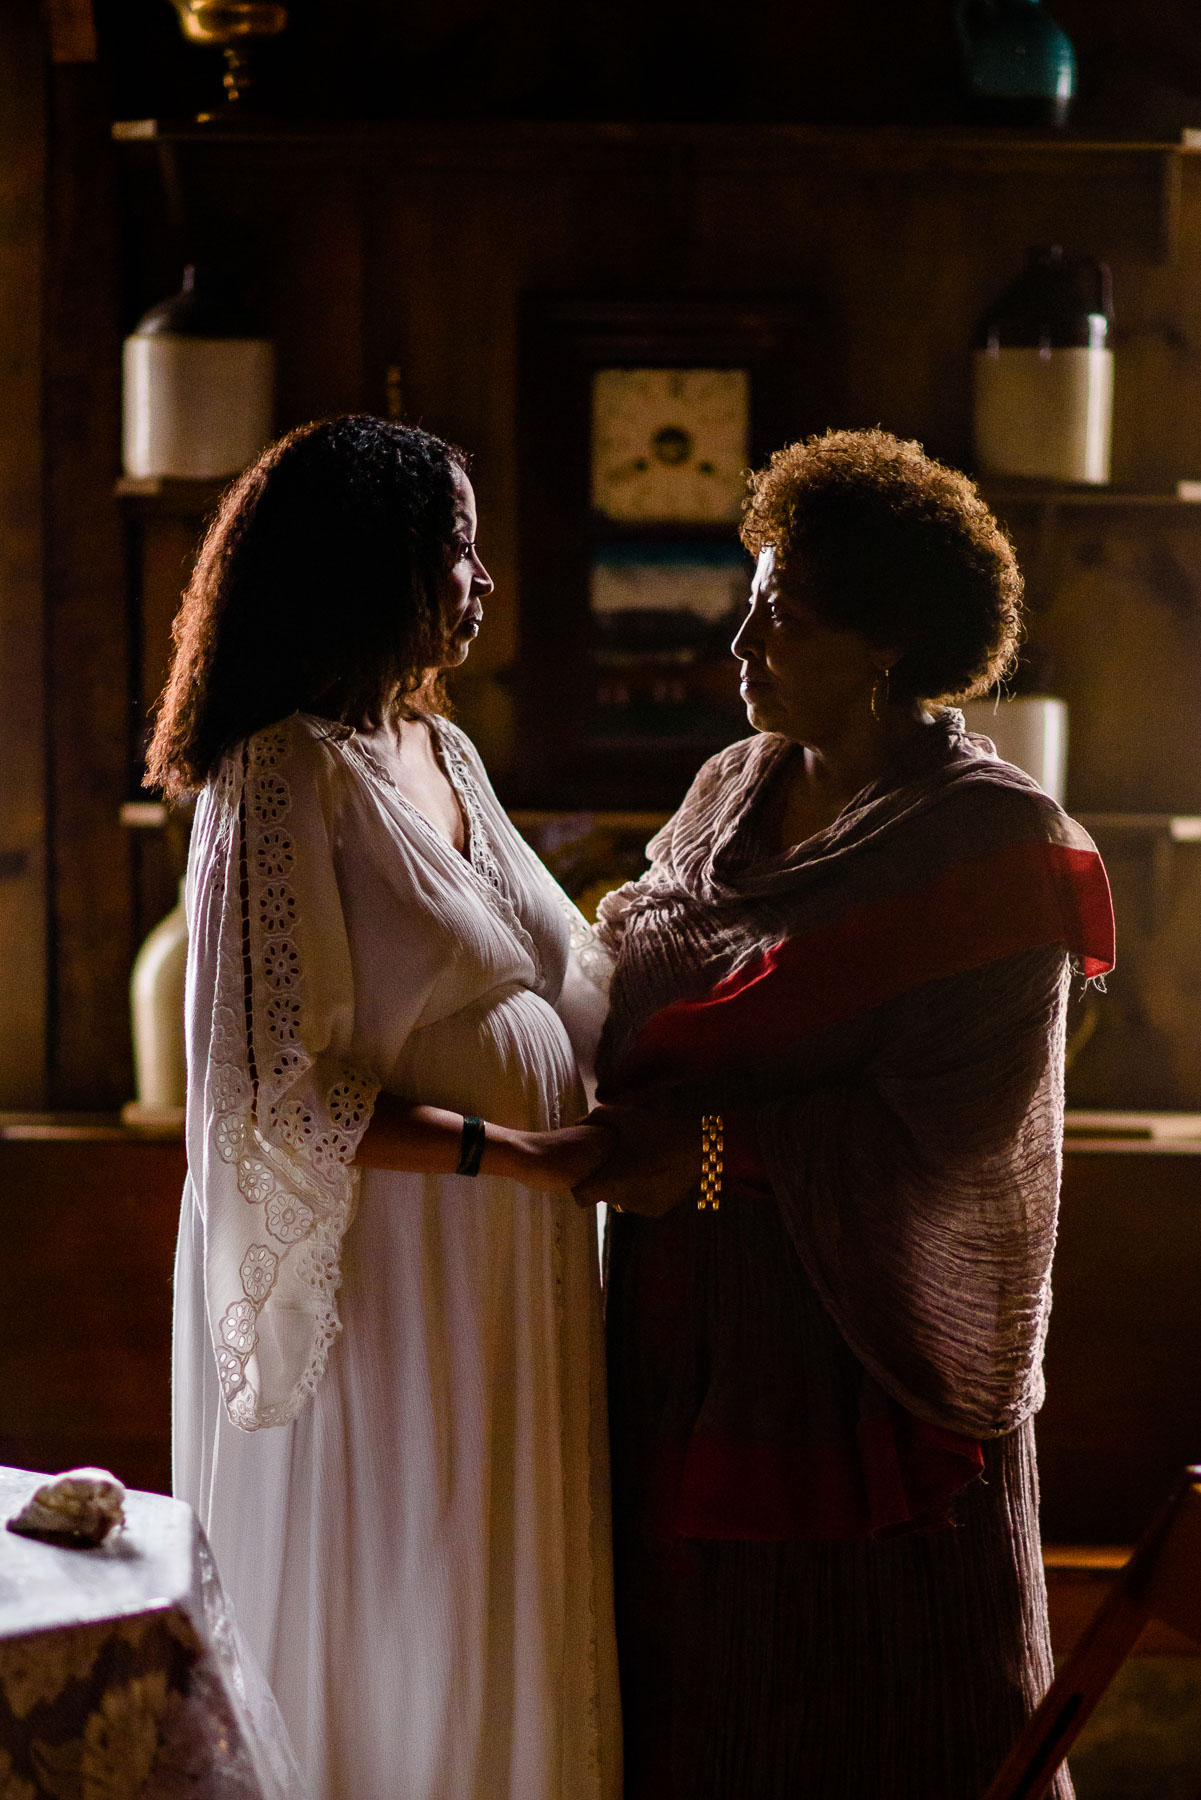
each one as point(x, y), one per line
point(887, 1002)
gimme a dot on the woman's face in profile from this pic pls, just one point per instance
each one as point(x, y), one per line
point(466, 582)
point(802, 677)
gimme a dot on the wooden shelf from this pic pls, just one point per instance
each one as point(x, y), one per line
point(158, 495)
point(1162, 1130)
point(1079, 1577)
point(1012, 493)
point(749, 149)
point(82, 1128)
point(1147, 173)
point(198, 499)
point(871, 148)
point(1177, 828)
point(1159, 835)
point(1171, 1133)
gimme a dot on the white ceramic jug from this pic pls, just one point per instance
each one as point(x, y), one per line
point(199, 390)
point(156, 992)
point(1043, 373)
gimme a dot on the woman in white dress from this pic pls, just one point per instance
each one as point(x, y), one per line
point(389, 1405)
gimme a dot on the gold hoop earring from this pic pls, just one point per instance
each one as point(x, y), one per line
point(879, 712)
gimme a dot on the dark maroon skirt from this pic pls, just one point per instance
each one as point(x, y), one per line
point(779, 1644)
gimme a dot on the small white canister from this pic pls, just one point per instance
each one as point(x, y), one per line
point(1031, 732)
point(199, 389)
point(1043, 374)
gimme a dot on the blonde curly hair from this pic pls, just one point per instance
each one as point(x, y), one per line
point(882, 539)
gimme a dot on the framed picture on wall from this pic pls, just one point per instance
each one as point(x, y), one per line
point(638, 422)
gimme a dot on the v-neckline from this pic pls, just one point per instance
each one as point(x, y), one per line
point(467, 853)
point(476, 858)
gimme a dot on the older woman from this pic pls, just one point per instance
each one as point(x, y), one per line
point(389, 1405)
point(845, 971)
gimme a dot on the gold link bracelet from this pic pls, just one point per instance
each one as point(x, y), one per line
point(712, 1152)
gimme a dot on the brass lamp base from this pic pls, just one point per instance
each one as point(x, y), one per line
point(231, 26)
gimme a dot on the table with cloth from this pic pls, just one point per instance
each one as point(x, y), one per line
point(122, 1675)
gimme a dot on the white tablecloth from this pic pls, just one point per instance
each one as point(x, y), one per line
point(122, 1673)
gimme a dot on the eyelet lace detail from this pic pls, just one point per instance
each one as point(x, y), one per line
point(274, 854)
point(289, 1137)
point(282, 1013)
point(289, 1220)
point(258, 1272)
point(269, 747)
point(349, 1103)
point(256, 1182)
point(281, 963)
point(230, 1136)
point(267, 799)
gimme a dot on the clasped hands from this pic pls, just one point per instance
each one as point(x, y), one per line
point(647, 1162)
point(635, 1158)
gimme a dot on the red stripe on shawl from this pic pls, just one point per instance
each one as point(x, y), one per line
point(896, 1471)
point(1012, 899)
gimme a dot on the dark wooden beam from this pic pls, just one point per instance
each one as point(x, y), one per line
point(90, 634)
point(22, 762)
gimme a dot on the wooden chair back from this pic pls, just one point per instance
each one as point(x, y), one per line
point(1162, 1580)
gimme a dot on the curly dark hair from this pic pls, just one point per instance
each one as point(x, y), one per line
point(316, 590)
point(892, 544)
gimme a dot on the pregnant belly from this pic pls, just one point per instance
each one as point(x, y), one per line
point(507, 1058)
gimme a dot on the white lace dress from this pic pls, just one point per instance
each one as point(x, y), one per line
point(418, 1548)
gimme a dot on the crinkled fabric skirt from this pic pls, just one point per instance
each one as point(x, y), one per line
point(898, 1668)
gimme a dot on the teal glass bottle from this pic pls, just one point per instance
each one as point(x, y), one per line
point(1019, 65)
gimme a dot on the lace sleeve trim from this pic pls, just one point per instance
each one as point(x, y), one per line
point(291, 1156)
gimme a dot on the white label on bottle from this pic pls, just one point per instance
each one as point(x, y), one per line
point(196, 408)
point(1044, 414)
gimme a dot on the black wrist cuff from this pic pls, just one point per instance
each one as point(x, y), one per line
point(472, 1148)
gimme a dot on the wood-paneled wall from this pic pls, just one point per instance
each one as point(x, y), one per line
point(90, 634)
point(23, 808)
point(87, 1239)
point(415, 252)
point(66, 932)
point(411, 250)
